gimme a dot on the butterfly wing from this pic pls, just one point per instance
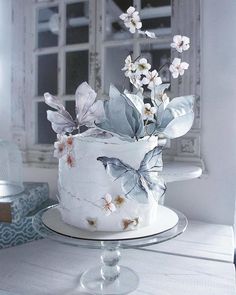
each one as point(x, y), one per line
point(152, 161)
point(60, 122)
point(149, 168)
point(131, 183)
point(88, 109)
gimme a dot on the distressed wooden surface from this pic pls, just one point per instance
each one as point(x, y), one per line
point(202, 240)
point(48, 267)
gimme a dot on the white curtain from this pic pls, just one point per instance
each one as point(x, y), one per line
point(5, 68)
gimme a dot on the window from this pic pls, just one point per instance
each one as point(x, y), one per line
point(118, 42)
point(61, 57)
point(62, 43)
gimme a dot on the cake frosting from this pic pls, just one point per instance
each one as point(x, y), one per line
point(86, 190)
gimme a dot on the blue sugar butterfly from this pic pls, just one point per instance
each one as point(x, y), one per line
point(138, 184)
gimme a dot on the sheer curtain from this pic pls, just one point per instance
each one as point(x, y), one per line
point(5, 68)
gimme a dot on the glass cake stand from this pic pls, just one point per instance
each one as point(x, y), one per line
point(109, 277)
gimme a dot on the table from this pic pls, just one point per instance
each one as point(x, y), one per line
point(46, 267)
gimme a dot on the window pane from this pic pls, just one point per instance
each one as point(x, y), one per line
point(154, 3)
point(76, 69)
point(45, 132)
point(114, 27)
point(70, 107)
point(47, 74)
point(114, 62)
point(156, 16)
point(158, 57)
point(48, 27)
point(77, 29)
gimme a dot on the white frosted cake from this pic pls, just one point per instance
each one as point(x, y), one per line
point(89, 197)
point(109, 158)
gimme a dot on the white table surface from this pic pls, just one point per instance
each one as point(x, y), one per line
point(178, 171)
point(193, 267)
point(202, 240)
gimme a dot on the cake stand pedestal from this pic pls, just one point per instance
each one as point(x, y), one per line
point(109, 277)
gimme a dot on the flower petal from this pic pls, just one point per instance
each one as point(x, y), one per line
point(176, 61)
point(131, 10)
point(108, 198)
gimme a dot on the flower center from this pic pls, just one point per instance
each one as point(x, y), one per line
point(69, 140)
point(61, 147)
point(133, 22)
point(148, 112)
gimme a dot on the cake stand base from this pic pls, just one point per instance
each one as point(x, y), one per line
point(93, 283)
point(109, 278)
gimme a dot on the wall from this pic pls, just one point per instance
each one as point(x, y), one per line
point(211, 198)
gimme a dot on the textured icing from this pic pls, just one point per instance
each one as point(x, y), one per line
point(83, 187)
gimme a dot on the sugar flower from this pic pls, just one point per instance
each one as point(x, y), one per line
point(180, 43)
point(63, 145)
point(135, 79)
point(177, 67)
point(152, 79)
point(147, 34)
point(142, 66)
point(92, 223)
point(131, 19)
point(159, 96)
point(149, 112)
point(60, 147)
point(130, 223)
point(119, 200)
point(129, 66)
point(108, 206)
point(70, 160)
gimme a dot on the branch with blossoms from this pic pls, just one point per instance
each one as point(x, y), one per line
point(141, 76)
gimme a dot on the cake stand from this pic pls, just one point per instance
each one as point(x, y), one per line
point(109, 277)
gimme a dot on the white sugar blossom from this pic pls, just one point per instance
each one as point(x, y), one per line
point(162, 98)
point(142, 66)
point(180, 43)
point(70, 160)
point(63, 146)
point(147, 34)
point(165, 99)
point(178, 67)
point(152, 79)
point(135, 79)
point(149, 112)
point(131, 19)
point(108, 206)
point(129, 66)
point(60, 147)
point(159, 96)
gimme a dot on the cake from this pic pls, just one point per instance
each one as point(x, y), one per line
point(109, 155)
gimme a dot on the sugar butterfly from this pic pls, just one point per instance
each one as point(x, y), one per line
point(138, 184)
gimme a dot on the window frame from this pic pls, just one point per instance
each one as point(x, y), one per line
point(186, 148)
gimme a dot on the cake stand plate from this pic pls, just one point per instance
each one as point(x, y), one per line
point(166, 219)
point(109, 277)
